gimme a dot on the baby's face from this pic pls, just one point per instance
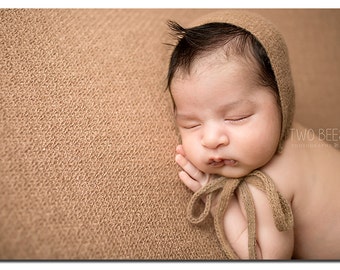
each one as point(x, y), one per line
point(229, 124)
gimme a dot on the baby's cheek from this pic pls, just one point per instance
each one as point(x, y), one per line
point(193, 151)
point(189, 150)
point(187, 143)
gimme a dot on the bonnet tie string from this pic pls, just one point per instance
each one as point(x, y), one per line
point(282, 212)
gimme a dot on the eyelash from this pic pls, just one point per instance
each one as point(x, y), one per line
point(191, 127)
point(228, 120)
point(237, 119)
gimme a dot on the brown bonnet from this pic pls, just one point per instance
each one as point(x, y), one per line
point(275, 46)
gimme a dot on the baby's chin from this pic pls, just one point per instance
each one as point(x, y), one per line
point(232, 172)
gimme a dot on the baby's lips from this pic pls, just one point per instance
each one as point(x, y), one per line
point(219, 162)
point(216, 162)
point(230, 162)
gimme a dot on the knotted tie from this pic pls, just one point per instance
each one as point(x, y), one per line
point(282, 212)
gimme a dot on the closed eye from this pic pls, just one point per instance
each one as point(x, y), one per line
point(190, 126)
point(237, 119)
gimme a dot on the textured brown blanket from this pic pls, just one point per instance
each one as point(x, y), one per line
point(87, 138)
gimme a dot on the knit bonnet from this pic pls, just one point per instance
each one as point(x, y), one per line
point(276, 49)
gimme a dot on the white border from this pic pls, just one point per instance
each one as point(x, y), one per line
point(169, 4)
point(230, 265)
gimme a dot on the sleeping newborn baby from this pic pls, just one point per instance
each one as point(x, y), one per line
point(230, 81)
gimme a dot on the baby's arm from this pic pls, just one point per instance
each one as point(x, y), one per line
point(271, 244)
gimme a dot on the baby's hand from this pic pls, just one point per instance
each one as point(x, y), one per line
point(192, 177)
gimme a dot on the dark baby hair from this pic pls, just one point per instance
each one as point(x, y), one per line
point(193, 42)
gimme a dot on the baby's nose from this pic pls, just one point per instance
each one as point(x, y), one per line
point(214, 137)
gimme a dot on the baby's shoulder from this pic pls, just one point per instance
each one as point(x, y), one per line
point(290, 167)
point(285, 171)
point(303, 159)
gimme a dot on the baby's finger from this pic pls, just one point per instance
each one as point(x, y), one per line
point(189, 182)
point(190, 169)
point(180, 150)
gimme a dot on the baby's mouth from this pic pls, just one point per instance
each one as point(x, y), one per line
point(219, 162)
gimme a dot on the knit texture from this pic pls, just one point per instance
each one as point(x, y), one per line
point(87, 139)
point(282, 212)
